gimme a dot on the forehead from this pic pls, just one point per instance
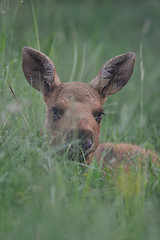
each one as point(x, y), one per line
point(77, 92)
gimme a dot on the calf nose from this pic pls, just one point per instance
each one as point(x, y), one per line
point(81, 141)
point(87, 144)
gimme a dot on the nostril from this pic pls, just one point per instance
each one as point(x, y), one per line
point(87, 144)
point(80, 141)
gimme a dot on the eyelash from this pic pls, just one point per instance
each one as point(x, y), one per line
point(99, 115)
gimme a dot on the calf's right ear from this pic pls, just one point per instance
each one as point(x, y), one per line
point(39, 70)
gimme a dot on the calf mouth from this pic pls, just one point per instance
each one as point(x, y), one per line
point(75, 145)
point(80, 150)
point(80, 145)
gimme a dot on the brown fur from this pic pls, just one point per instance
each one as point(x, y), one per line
point(74, 109)
point(129, 154)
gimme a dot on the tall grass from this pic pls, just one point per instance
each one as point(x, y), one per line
point(36, 27)
point(142, 86)
point(44, 195)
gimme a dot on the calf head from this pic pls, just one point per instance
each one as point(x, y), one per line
point(75, 109)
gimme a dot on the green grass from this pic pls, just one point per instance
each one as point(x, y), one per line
point(46, 196)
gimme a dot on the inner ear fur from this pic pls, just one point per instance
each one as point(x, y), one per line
point(39, 70)
point(114, 74)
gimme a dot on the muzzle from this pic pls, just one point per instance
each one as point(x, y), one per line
point(80, 144)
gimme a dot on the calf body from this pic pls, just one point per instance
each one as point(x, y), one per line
point(75, 109)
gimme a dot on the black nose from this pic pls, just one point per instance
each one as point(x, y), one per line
point(86, 144)
point(81, 142)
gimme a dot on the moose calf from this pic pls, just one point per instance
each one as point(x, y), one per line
point(75, 109)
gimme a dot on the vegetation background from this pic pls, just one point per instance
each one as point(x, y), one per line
point(40, 197)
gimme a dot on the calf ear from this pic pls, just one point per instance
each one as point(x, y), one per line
point(39, 70)
point(114, 74)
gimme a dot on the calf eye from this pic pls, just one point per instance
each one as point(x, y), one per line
point(57, 114)
point(98, 116)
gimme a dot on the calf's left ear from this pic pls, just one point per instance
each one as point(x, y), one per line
point(114, 74)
